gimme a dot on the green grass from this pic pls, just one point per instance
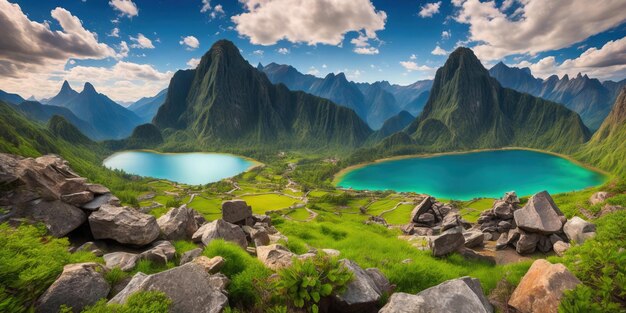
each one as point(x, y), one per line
point(209, 208)
point(400, 215)
point(382, 205)
point(299, 214)
point(269, 202)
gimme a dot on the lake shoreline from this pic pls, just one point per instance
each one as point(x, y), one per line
point(339, 176)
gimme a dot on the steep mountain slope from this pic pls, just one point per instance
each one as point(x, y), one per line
point(405, 95)
point(607, 147)
point(416, 106)
point(10, 98)
point(587, 96)
point(468, 109)
point(380, 105)
point(65, 95)
point(226, 101)
point(43, 113)
point(147, 107)
point(395, 124)
point(109, 119)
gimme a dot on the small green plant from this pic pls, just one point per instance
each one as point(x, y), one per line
point(140, 302)
point(306, 282)
point(115, 275)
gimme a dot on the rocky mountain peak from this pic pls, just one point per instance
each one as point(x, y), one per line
point(89, 89)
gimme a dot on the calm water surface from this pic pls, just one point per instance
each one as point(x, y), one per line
point(187, 168)
point(472, 175)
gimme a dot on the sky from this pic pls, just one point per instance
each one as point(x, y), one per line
point(129, 49)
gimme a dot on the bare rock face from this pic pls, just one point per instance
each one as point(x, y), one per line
point(362, 293)
point(59, 217)
point(220, 229)
point(123, 225)
point(275, 256)
point(461, 295)
point(579, 230)
point(80, 285)
point(541, 289)
point(123, 260)
point(236, 211)
point(540, 215)
point(178, 223)
point(161, 252)
point(189, 286)
point(447, 242)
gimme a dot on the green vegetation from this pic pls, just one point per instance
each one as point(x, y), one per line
point(140, 302)
point(269, 202)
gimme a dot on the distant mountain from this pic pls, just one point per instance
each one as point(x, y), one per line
point(374, 103)
point(587, 96)
point(11, 98)
point(43, 113)
point(416, 106)
point(395, 124)
point(227, 102)
point(109, 119)
point(468, 109)
point(147, 107)
point(607, 148)
point(65, 130)
point(65, 95)
point(406, 95)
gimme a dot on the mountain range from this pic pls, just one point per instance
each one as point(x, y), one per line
point(225, 101)
point(147, 107)
point(589, 97)
point(374, 103)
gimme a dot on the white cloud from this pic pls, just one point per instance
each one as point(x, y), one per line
point(412, 66)
point(115, 32)
point(142, 42)
point(126, 7)
point(206, 6)
point(283, 51)
point(607, 62)
point(324, 66)
point(439, 51)
point(265, 22)
point(123, 50)
point(29, 47)
point(217, 11)
point(191, 42)
point(429, 9)
point(258, 52)
point(366, 50)
point(193, 62)
point(446, 34)
point(536, 26)
point(413, 57)
point(313, 71)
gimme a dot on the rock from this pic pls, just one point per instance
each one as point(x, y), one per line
point(331, 252)
point(504, 226)
point(560, 247)
point(80, 285)
point(423, 231)
point(59, 217)
point(527, 243)
point(598, 197)
point(461, 295)
point(539, 215)
point(608, 209)
point(421, 208)
point(178, 223)
point(220, 229)
point(236, 211)
point(99, 201)
point(471, 255)
point(447, 242)
point(473, 238)
point(511, 198)
point(383, 284)
point(72, 185)
point(219, 281)
point(544, 245)
point(123, 225)
point(92, 247)
point(77, 198)
point(160, 253)
point(189, 286)
point(426, 218)
point(261, 218)
point(97, 189)
point(503, 241)
point(554, 238)
point(212, 265)
point(503, 210)
point(361, 294)
point(259, 237)
point(124, 260)
point(275, 256)
point(578, 230)
point(190, 255)
point(541, 289)
point(450, 221)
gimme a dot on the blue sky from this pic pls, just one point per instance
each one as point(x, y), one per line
point(135, 46)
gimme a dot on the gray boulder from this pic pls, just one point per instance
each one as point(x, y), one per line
point(447, 242)
point(421, 208)
point(578, 230)
point(123, 260)
point(99, 201)
point(236, 211)
point(503, 210)
point(189, 286)
point(450, 221)
point(511, 198)
point(178, 223)
point(210, 265)
point(275, 256)
point(473, 238)
point(362, 293)
point(560, 247)
point(540, 215)
point(220, 229)
point(461, 295)
point(426, 218)
point(381, 281)
point(190, 255)
point(80, 285)
point(123, 225)
point(77, 198)
point(527, 243)
point(59, 217)
point(598, 197)
point(97, 189)
point(161, 252)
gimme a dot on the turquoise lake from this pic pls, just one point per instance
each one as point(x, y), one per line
point(473, 175)
point(186, 168)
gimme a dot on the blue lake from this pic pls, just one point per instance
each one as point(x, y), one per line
point(473, 175)
point(187, 168)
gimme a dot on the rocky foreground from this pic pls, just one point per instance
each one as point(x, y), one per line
point(47, 191)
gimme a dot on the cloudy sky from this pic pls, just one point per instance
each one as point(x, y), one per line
point(130, 49)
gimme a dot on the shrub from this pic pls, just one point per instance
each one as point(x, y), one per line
point(306, 282)
point(140, 302)
point(30, 261)
point(172, 203)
